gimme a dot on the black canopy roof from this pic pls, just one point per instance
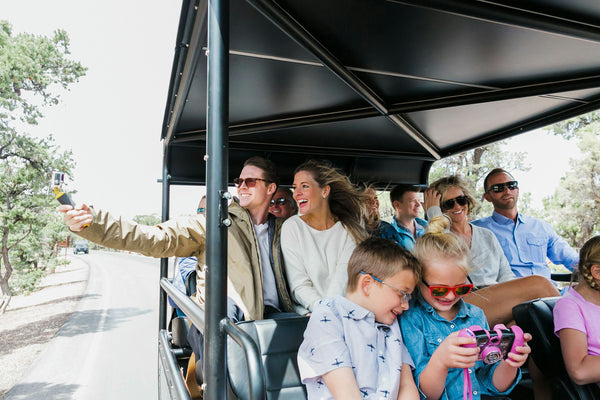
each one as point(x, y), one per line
point(381, 88)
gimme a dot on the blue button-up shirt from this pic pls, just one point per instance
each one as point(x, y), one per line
point(185, 267)
point(528, 242)
point(402, 235)
point(423, 330)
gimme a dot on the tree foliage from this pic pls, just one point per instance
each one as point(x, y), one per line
point(32, 69)
point(151, 219)
point(474, 165)
point(574, 207)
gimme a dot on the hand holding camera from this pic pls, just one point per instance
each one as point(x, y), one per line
point(496, 345)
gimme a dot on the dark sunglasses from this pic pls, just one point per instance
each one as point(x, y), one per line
point(449, 204)
point(280, 201)
point(200, 210)
point(499, 188)
point(442, 291)
point(250, 182)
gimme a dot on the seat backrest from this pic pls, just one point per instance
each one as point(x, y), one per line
point(536, 317)
point(278, 341)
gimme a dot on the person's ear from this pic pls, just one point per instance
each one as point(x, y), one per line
point(325, 191)
point(271, 188)
point(595, 271)
point(487, 197)
point(365, 284)
point(395, 204)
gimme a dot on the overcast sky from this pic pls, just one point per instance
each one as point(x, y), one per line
point(112, 118)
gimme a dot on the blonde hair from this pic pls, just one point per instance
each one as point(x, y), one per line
point(440, 242)
point(442, 185)
point(589, 255)
point(346, 202)
point(382, 259)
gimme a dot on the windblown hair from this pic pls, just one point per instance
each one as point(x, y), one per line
point(439, 242)
point(268, 167)
point(381, 258)
point(442, 185)
point(493, 172)
point(346, 202)
point(589, 255)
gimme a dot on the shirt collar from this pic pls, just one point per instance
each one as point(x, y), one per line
point(354, 311)
point(501, 219)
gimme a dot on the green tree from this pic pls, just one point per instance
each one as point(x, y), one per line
point(474, 165)
point(32, 69)
point(152, 219)
point(574, 207)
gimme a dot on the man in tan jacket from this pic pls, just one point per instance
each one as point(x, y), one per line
point(256, 284)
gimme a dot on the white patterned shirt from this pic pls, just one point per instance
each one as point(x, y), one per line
point(343, 334)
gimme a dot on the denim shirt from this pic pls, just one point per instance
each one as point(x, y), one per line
point(402, 235)
point(424, 330)
point(528, 242)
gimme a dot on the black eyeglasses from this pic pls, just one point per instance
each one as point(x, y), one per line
point(499, 187)
point(405, 297)
point(250, 182)
point(280, 201)
point(449, 204)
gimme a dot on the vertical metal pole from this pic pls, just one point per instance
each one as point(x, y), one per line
point(164, 262)
point(216, 181)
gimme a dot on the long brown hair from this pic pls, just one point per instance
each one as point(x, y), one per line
point(346, 202)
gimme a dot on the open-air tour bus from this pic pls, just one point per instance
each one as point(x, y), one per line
point(381, 88)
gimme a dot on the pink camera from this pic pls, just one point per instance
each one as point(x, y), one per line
point(495, 345)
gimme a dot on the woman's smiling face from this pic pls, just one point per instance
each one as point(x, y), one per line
point(307, 193)
point(458, 213)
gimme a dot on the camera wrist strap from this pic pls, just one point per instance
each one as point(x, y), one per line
point(467, 388)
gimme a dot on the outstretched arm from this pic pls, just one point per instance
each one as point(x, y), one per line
point(78, 218)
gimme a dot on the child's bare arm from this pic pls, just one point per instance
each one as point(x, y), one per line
point(341, 383)
point(408, 389)
point(450, 354)
point(506, 372)
point(582, 367)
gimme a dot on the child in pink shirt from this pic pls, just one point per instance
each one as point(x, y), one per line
point(577, 318)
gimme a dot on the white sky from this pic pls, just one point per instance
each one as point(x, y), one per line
point(112, 118)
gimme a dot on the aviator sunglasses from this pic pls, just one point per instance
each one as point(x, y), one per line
point(280, 201)
point(449, 204)
point(405, 297)
point(442, 291)
point(250, 182)
point(499, 187)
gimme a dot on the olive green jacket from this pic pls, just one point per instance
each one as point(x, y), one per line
point(184, 237)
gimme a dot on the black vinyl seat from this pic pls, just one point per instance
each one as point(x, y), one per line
point(536, 317)
point(278, 341)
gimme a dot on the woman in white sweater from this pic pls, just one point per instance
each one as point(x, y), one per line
point(317, 243)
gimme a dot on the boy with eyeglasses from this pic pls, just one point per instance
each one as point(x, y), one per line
point(353, 347)
point(526, 241)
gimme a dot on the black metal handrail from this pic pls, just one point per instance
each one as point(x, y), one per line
point(187, 305)
point(256, 380)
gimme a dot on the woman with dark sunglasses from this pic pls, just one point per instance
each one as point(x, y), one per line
point(498, 291)
point(317, 243)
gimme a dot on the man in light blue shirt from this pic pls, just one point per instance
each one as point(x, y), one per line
point(406, 226)
point(527, 242)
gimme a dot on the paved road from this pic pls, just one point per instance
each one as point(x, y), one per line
point(108, 349)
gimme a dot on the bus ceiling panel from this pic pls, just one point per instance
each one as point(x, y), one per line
point(187, 167)
point(447, 127)
point(416, 41)
point(371, 135)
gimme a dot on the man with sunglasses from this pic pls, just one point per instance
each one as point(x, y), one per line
point(406, 225)
point(526, 241)
point(256, 283)
point(282, 204)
